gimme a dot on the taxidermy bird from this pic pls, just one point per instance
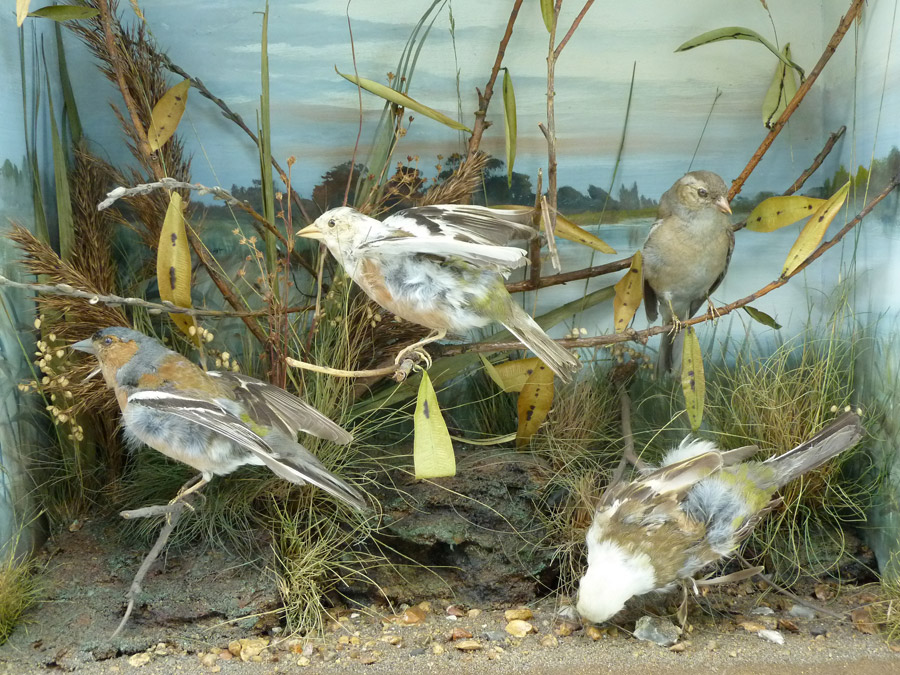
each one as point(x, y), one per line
point(442, 267)
point(686, 253)
point(691, 512)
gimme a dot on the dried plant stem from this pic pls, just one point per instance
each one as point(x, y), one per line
point(572, 28)
point(484, 99)
point(115, 300)
point(718, 312)
point(817, 162)
point(843, 27)
point(550, 131)
point(399, 371)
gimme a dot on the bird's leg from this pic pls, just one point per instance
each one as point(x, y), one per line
point(416, 347)
point(677, 324)
point(713, 312)
point(193, 485)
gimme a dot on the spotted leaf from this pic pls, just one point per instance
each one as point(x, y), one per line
point(629, 291)
point(814, 230)
point(433, 455)
point(167, 114)
point(693, 382)
point(776, 212)
point(534, 403)
point(173, 263)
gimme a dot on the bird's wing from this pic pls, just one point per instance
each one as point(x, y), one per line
point(473, 224)
point(715, 284)
point(204, 412)
point(482, 255)
point(273, 406)
point(671, 481)
point(651, 302)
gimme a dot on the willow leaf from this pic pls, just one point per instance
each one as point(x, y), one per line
point(629, 291)
point(814, 230)
point(738, 33)
point(433, 454)
point(173, 263)
point(534, 403)
point(403, 100)
point(509, 119)
point(781, 91)
point(167, 114)
point(693, 382)
point(776, 212)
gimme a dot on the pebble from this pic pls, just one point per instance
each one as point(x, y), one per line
point(594, 632)
point(566, 628)
point(520, 614)
point(460, 634)
point(303, 661)
point(418, 651)
point(763, 611)
point(788, 625)
point(138, 660)
point(802, 612)
point(456, 610)
point(473, 613)
point(772, 636)
point(818, 631)
point(209, 660)
point(678, 647)
point(519, 628)
point(496, 635)
point(467, 645)
point(657, 630)
point(549, 641)
point(437, 649)
point(368, 659)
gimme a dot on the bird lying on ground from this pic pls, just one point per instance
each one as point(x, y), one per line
point(694, 510)
point(212, 421)
point(441, 267)
point(686, 253)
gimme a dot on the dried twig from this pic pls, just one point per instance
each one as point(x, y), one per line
point(399, 371)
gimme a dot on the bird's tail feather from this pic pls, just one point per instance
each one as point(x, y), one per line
point(526, 329)
point(838, 436)
point(664, 364)
point(300, 470)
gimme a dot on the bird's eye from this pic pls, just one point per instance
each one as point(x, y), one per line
point(107, 341)
point(702, 192)
point(331, 222)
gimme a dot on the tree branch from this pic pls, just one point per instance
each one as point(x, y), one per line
point(843, 27)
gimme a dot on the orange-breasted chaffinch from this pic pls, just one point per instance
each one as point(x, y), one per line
point(212, 421)
point(441, 267)
point(691, 512)
point(686, 253)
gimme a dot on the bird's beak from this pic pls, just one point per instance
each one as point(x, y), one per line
point(311, 232)
point(86, 346)
point(723, 205)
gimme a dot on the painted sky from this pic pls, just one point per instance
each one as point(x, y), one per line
point(315, 112)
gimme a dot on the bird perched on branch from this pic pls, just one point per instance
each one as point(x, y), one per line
point(692, 511)
point(686, 253)
point(442, 267)
point(212, 421)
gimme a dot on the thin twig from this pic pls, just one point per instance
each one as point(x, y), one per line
point(628, 454)
point(565, 277)
point(575, 23)
point(484, 99)
point(843, 27)
point(550, 132)
point(399, 371)
point(171, 184)
point(173, 514)
point(643, 335)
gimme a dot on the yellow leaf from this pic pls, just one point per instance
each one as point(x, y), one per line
point(534, 403)
point(693, 382)
point(629, 291)
point(167, 114)
point(511, 376)
point(776, 212)
point(814, 230)
point(21, 11)
point(173, 264)
point(781, 91)
point(432, 448)
point(566, 229)
point(509, 119)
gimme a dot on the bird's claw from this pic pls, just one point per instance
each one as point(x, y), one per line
point(414, 352)
point(677, 326)
point(713, 312)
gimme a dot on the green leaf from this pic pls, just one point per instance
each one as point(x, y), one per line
point(738, 33)
point(64, 217)
point(509, 119)
point(70, 107)
point(433, 455)
point(629, 292)
point(547, 14)
point(776, 212)
point(693, 382)
point(781, 91)
point(64, 12)
point(403, 100)
point(534, 403)
point(264, 129)
point(762, 317)
point(173, 263)
point(814, 230)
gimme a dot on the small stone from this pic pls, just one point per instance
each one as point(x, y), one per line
point(425, 606)
point(657, 630)
point(712, 645)
point(772, 636)
point(303, 661)
point(818, 631)
point(456, 610)
point(354, 640)
point(802, 612)
point(751, 626)
point(549, 641)
point(411, 615)
point(234, 647)
point(678, 647)
point(391, 639)
point(732, 654)
point(824, 591)
point(468, 645)
point(518, 628)
point(460, 634)
point(437, 649)
point(368, 659)
point(862, 620)
point(763, 611)
point(496, 635)
point(566, 628)
point(344, 640)
point(418, 651)
point(568, 613)
point(209, 660)
point(594, 632)
point(788, 625)
point(139, 660)
point(520, 614)
point(250, 648)
point(473, 613)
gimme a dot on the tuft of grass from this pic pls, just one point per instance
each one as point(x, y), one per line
point(19, 589)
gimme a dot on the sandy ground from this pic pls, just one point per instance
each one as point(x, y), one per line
point(205, 612)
